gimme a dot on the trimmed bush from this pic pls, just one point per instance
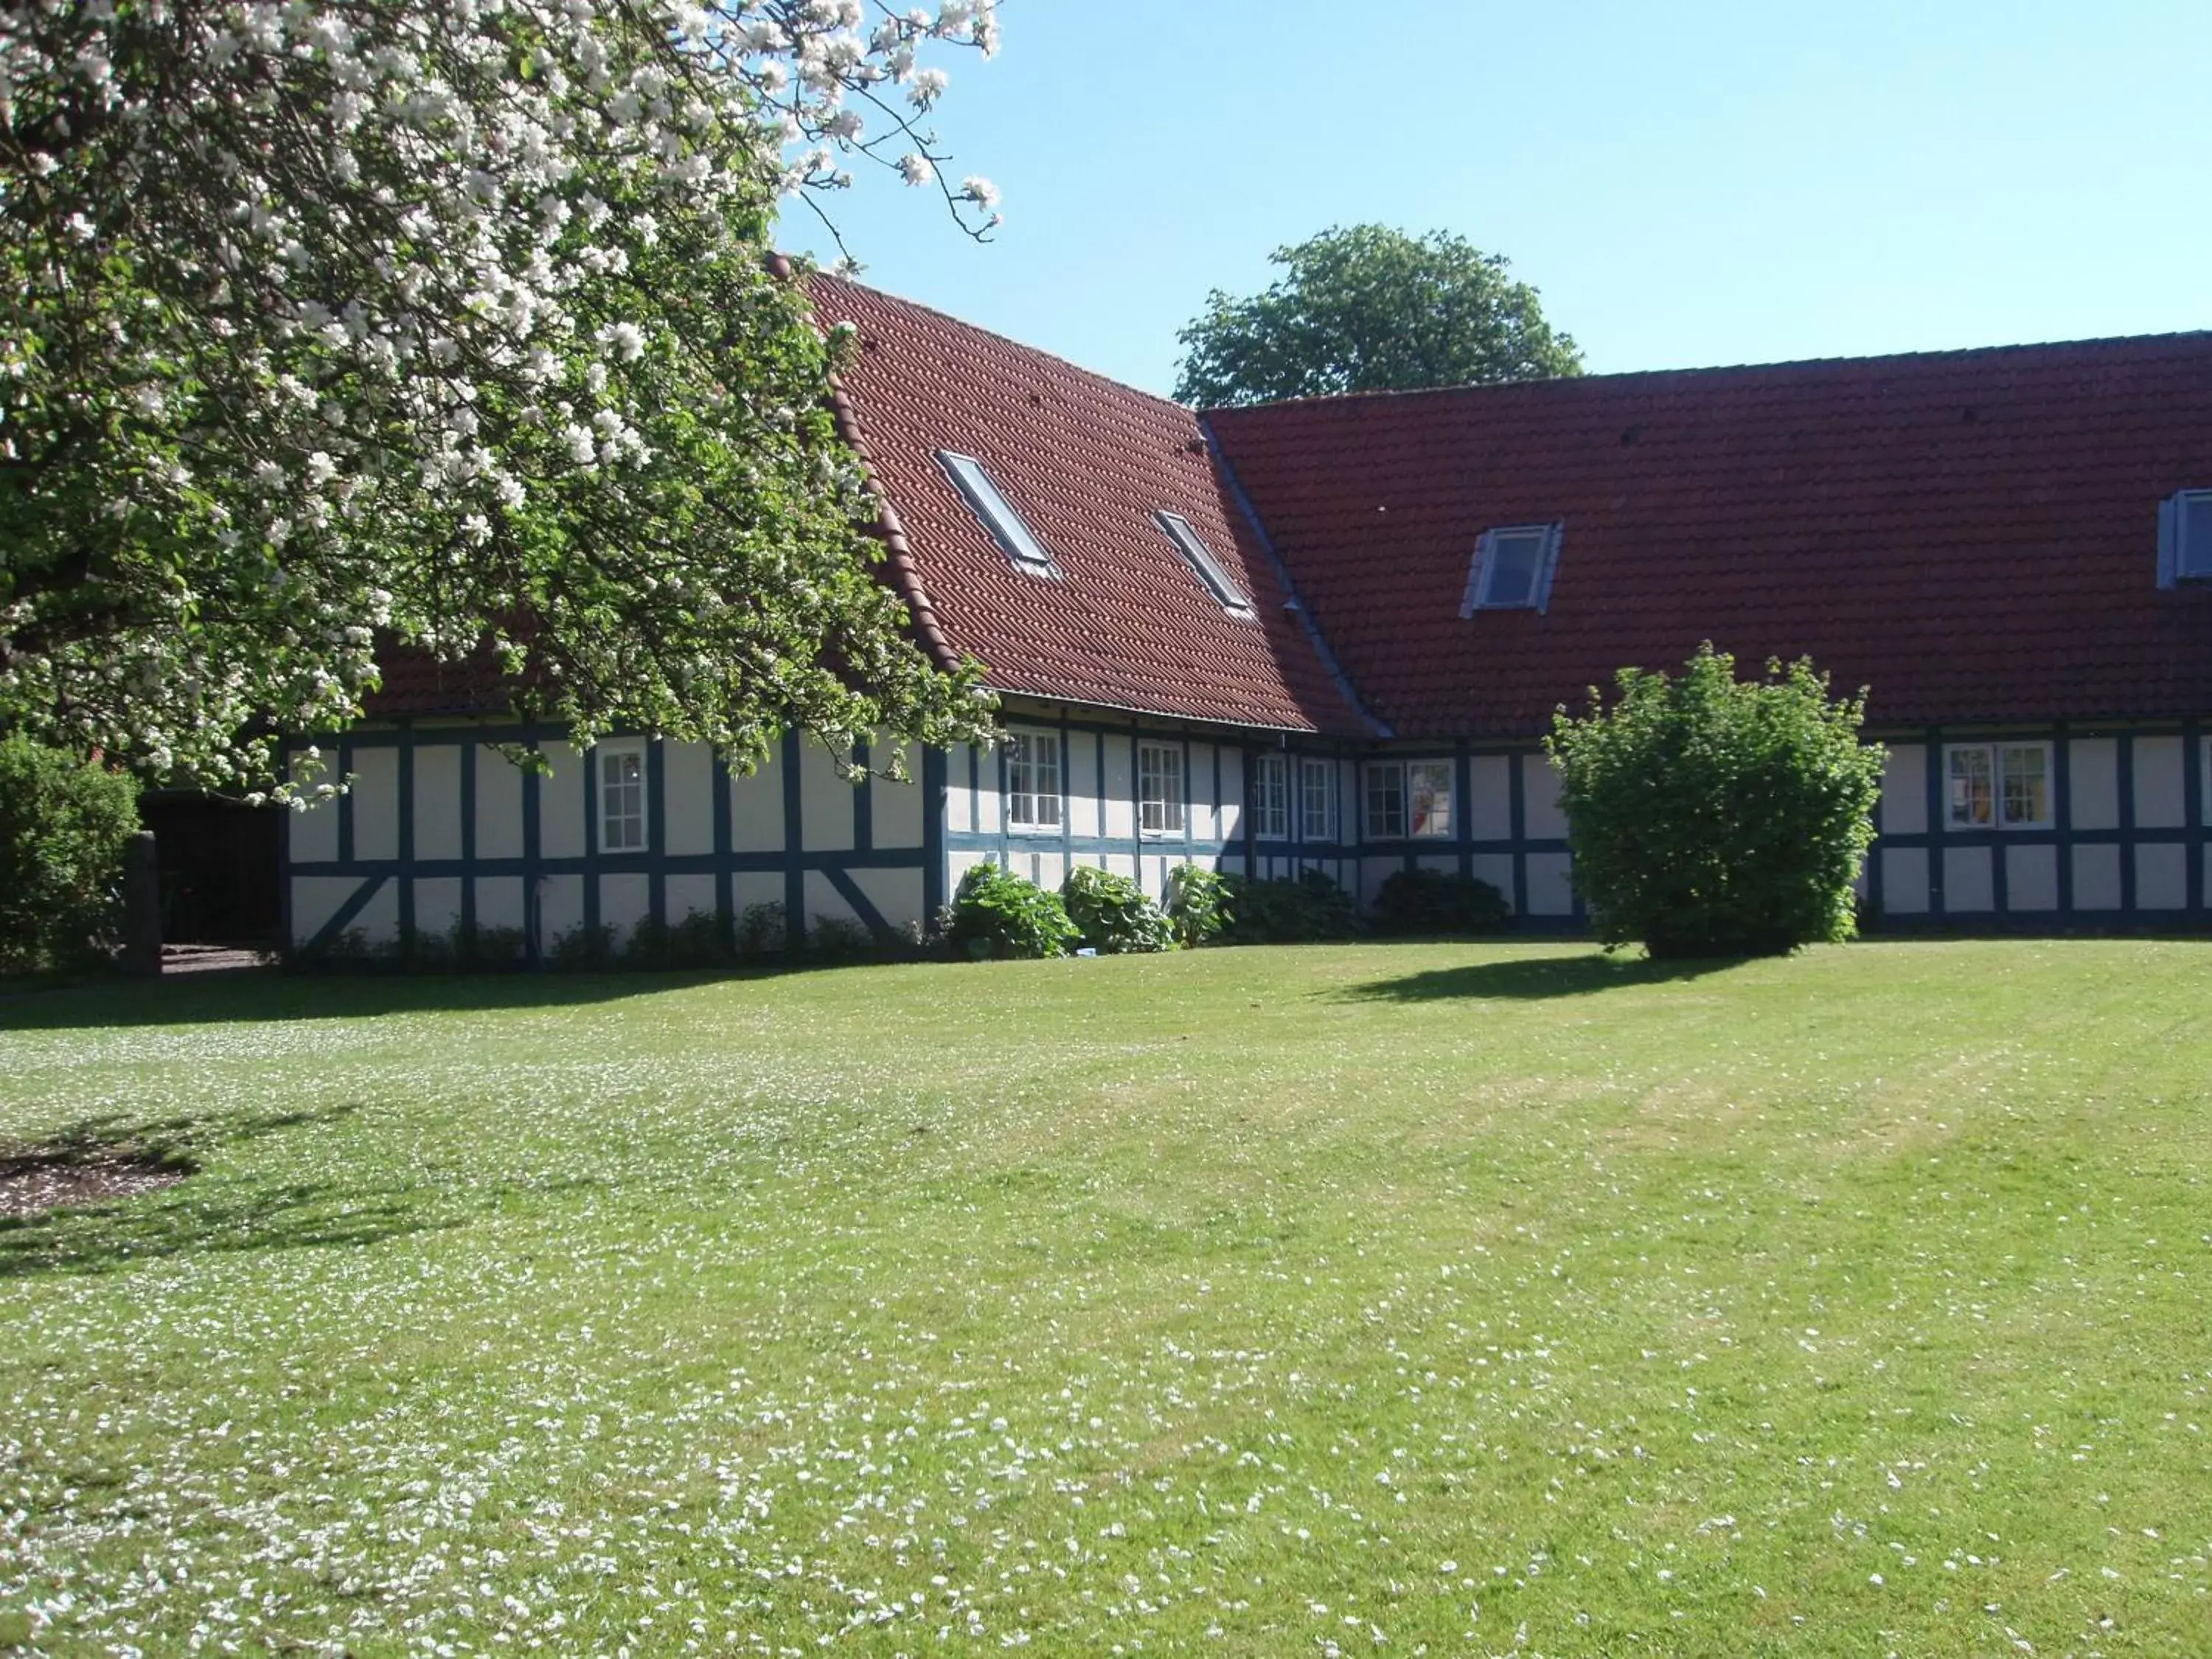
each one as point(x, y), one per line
point(1198, 903)
point(65, 826)
point(994, 913)
point(1439, 902)
point(1297, 912)
point(1113, 915)
point(1714, 817)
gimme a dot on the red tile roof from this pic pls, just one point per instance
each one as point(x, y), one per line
point(1087, 462)
point(1973, 534)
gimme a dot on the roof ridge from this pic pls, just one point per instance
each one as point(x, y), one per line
point(2106, 342)
point(1026, 349)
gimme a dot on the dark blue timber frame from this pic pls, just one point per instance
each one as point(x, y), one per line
point(2062, 836)
point(1239, 749)
point(654, 862)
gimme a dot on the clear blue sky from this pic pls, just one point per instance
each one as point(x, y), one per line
point(1687, 184)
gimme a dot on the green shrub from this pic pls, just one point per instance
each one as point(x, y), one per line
point(1198, 903)
point(1423, 900)
point(1113, 915)
point(763, 931)
point(697, 941)
point(1711, 816)
point(65, 827)
point(1288, 912)
point(994, 913)
point(582, 949)
point(839, 939)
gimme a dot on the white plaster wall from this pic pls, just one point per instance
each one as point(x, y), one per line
point(958, 864)
point(499, 901)
point(1079, 760)
point(1539, 807)
point(1373, 873)
point(315, 900)
point(379, 921)
point(1497, 869)
point(1490, 797)
point(823, 902)
point(1905, 880)
point(560, 809)
point(990, 799)
point(313, 834)
point(1122, 864)
point(2032, 878)
point(437, 904)
point(499, 807)
point(757, 807)
point(2097, 878)
point(1904, 790)
point(2162, 877)
point(896, 895)
point(623, 901)
point(825, 802)
point(2160, 798)
point(1446, 864)
point(2093, 783)
point(1551, 885)
point(1968, 882)
point(1232, 864)
point(560, 907)
point(1118, 790)
point(687, 787)
point(438, 802)
point(1232, 794)
point(682, 895)
point(897, 809)
point(1155, 876)
point(1198, 769)
point(376, 804)
point(959, 801)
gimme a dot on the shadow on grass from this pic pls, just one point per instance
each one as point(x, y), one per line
point(1534, 978)
point(256, 994)
point(94, 1231)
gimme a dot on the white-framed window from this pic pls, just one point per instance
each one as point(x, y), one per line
point(1270, 797)
point(1316, 800)
point(621, 796)
point(1200, 557)
point(997, 513)
point(1409, 798)
point(1512, 570)
point(1997, 786)
point(1033, 797)
point(2184, 538)
point(1160, 798)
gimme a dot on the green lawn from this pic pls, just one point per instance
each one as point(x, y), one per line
point(1410, 1298)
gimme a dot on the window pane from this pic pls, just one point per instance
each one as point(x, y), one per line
point(1318, 804)
point(1159, 788)
point(1033, 780)
point(1972, 805)
point(1513, 561)
point(1430, 786)
point(1271, 806)
point(1201, 557)
point(997, 513)
point(2026, 783)
point(2196, 550)
point(1386, 803)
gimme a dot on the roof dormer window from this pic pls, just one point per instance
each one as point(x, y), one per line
point(997, 513)
point(1180, 531)
point(1512, 569)
point(2184, 538)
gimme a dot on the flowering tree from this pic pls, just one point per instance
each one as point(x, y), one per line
point(326, 325)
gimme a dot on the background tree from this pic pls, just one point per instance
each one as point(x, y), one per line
point(1711, 816)
point(336, 322)
point(1370, 309)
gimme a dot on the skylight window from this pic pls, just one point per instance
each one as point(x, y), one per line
point(2184, 538)
point(1512, 569)
point(1201, 557)
point(997, 513)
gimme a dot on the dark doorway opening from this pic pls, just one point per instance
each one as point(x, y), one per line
point(221, 869)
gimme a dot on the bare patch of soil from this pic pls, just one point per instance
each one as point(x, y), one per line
point(32, 1184)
